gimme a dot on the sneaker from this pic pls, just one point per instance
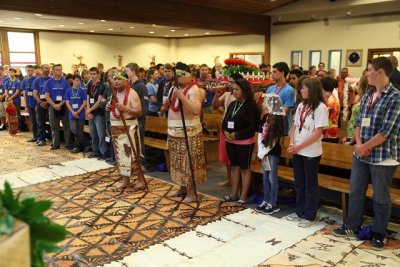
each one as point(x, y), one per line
point(41, 143)
point(343, 231)
point(378, 242)
point(293, 217)
point(269, 209)
point(3, 127)
point(31, 140)
point(304, 223)
point(262, 206)
point(76, 150)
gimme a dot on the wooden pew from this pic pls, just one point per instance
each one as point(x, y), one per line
point(334, 155)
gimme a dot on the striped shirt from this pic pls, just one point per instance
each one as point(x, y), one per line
point(384, 115)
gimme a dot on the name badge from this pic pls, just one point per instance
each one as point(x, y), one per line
point(366, 122)
point(298, 137)
point(30, 93)
point(1, 91)
point(59, 98)
point(108, 139)
point(42, 97)
point(10, 92)
point(91, 101)
point(231, 125)
point(75, 106)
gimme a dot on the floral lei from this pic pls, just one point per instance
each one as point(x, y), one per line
point(115, 101)
point(174, 99)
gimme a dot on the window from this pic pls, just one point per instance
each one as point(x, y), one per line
point(22, 49)
point(296, 58)
point(314, 58)
point(253, 57)
point(335, 60)
point(19, 48)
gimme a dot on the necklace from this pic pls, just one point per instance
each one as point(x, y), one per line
point(174, 99)
point(115, 101)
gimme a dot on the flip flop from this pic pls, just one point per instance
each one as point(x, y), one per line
point(227, 198)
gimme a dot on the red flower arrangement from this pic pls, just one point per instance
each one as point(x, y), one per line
point(238, 61)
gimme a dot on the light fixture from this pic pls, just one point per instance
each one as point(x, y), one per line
point(186, 34)
point(103, 20)
point(154, 25)
point(151, 32)
point(131, 27)
point(81, 23)
point(38, 15)
point(17, 18)
point(172, 30)
point(207, 33)
point(166, 35)
point(91, 30)
point(1, 21)
point(61, 25)
point(110, 29)
point(348, 13)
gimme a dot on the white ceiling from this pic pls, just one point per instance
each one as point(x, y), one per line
point(15, 19)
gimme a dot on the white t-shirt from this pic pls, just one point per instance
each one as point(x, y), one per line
point(316, 119)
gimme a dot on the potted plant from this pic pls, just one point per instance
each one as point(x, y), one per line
point(44, 234)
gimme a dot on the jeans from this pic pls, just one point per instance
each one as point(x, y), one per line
point(77, 129)
point(306, 186)
point(381, 178)
point(33, 118)
point(270, 180)
point(55, 117)
point(142, 123)
point(41, 119)
point(97, 127)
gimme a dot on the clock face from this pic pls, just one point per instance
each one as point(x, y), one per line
point(354, 57)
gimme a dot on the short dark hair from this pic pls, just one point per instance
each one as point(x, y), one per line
point(68, 76)
point(168, 66)
point(246, 88)
point(94, 69)
point(57, 65)
point(12, 69)
point(29, 66)
point(263, 65)
point(321, 63)
point(328, 84)
point(133, 67)
point(282, 67)
point(296, 72)
point(203, 66)
point(382, 63)
point(76, 76)
point(159, 65)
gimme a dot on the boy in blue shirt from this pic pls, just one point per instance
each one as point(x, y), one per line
point(30, 101)
point(75, 101)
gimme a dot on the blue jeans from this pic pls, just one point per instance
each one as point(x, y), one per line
point(97, 127)
point(41, 118)
point(33, 119)
point(270, 180)
point(381, 178)
point(306, 185)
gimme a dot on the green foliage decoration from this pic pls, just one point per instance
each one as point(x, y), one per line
point(44, 234)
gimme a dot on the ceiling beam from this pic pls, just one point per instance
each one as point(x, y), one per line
point(166, 12)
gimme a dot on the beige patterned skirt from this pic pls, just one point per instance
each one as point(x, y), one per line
point(179, 160)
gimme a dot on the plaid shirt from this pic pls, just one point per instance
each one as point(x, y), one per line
point(385, 119)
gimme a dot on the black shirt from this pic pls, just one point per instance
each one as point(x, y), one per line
point(246, 119)
point(141, 90)
point(93, 92)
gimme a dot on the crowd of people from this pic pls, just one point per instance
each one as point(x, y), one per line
point(307, 106)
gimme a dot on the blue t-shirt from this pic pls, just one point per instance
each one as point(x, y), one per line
point(27, 85)
point(12, 87)
point(56, 89)
point(39, 85)
point(209, 95)
point(76, 98)
point(152, 90)
point(2, 81)
point(287, 97)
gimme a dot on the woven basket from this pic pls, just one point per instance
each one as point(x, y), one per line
point(15, 249)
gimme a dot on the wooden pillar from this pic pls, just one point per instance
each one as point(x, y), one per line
point(267, 49)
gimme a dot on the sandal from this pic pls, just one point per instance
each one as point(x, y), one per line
point(227, 198)
point(241, 202)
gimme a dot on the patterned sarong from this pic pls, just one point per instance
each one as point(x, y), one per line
point(125, 158)
point(179, 160)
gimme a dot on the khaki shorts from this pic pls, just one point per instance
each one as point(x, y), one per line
point(2, 109)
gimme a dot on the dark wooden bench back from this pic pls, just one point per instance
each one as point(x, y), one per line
point(156, 125)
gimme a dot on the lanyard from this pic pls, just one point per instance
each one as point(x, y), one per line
point(303, 118)
point(279, 89)
point(236, 108)
point(75, 95)
point(371, 101)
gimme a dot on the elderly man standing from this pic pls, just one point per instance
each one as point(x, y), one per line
point(126, 101)
point(186, 92)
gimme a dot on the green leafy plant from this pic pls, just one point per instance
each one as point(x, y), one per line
point(44, 234)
